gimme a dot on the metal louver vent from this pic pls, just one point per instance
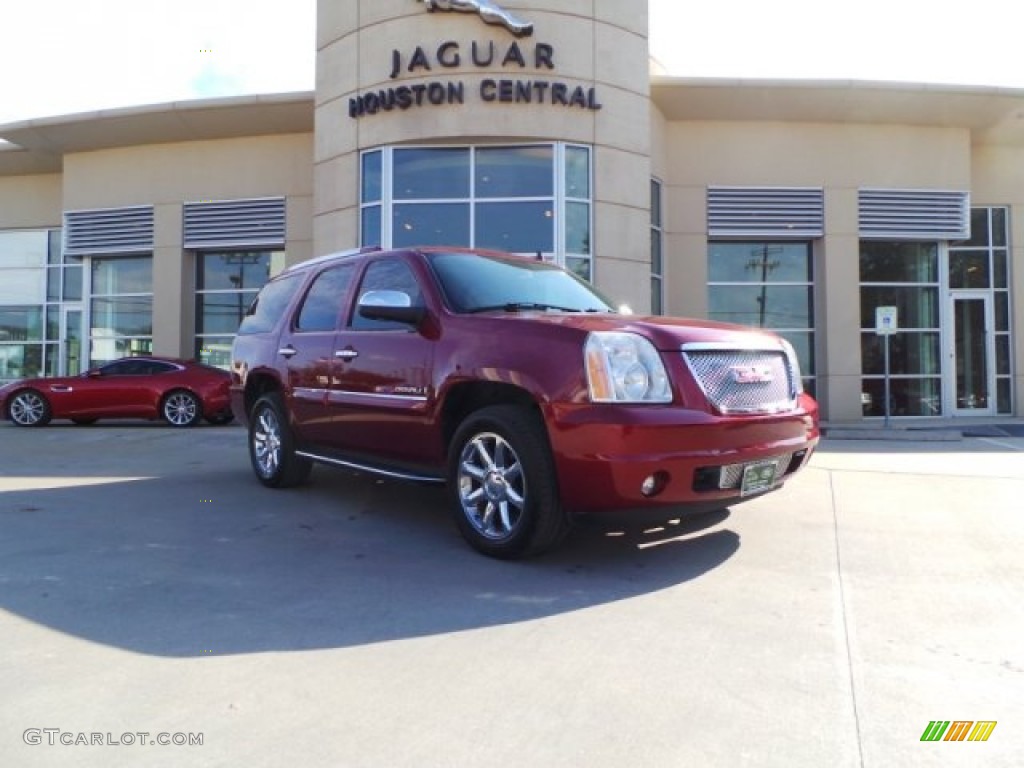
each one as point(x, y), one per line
point(235, 224)
point(114, 230)
point(766, 212)
point(914, 214)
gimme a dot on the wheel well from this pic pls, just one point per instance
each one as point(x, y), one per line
point(256, 387)
point(464, 399)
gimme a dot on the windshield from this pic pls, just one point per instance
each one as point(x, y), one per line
point(478, 283)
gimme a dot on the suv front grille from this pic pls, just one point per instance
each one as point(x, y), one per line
point(743, 380)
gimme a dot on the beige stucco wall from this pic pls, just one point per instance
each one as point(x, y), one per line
point(169, 175)
point(596, 45)
point(997, 180)
point(30, 202)
point(840, 158)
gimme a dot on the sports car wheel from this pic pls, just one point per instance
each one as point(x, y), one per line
point(181, 409)
point(29, 408)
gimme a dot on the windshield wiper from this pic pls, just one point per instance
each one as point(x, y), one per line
point(520, 306)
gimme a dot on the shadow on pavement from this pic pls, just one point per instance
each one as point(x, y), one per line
point(197, 558)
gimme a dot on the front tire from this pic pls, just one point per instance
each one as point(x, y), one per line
point(181, 408)
point(272, 446)
point(29, 408)
point(503, 485)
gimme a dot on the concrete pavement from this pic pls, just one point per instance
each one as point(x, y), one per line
point(149, 584)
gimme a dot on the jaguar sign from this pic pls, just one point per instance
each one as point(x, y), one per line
point(490, 12)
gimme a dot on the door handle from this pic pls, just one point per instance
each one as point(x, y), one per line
point(346, 354)
point(288, 351)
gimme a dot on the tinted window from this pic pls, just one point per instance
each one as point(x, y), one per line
point(125, 368)
point(322, 305)
point(270, 304)
point(388, 275)
point(473, 283)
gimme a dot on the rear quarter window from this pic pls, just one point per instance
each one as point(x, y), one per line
point(270, 304)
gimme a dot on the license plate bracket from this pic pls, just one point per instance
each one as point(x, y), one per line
point(758, 477)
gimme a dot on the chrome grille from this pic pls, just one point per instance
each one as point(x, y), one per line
point(743, 380)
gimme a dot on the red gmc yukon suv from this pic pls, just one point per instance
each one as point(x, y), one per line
point(516, 384)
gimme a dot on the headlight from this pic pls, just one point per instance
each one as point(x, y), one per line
point(625, 368)
point(794, 366)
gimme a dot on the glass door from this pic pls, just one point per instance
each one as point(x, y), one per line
point(71, 335)
point(973, 375)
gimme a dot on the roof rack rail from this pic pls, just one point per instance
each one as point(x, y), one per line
point(332, 256)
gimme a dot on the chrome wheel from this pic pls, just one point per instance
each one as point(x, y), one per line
point(492, 488)
point(29, 409)
point(181, 409)
point(266, 443)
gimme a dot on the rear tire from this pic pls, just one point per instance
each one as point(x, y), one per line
point(181, 408)
point(503, 485)
point(272, 446)
point(29, 408)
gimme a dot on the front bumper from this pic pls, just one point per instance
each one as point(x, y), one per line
point(604, 453)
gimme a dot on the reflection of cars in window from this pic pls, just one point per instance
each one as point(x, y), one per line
point(516, 384)
point(179, 392)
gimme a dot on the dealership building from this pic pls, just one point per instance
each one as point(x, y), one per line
point(799, 206)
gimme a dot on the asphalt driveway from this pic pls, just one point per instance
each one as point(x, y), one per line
point(148, 585)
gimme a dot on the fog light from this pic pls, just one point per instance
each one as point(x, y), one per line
point(654, 484)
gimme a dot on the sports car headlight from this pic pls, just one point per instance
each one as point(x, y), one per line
point(794, 367)
point(624, 368)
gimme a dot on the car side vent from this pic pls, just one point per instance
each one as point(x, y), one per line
point(257, 223)
point(112, 230)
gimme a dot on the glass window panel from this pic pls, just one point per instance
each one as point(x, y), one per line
point(885, 262)
point(999, 268)
point(979, 228)
point(52, 322)
point(515, 172)
point(371, 231)
point(969, 269)
point(759, 262)
point(580, 267)
point(21, 286)
point(55, 245)
point(999, 228)
point(130, 316)
point(107, 349)
point(577, 228)
point(1002, 308)
point(916, 307)
point(215, 351)
point(516, 227)
point(431, 224)
point(122, 275)
point(73, 283)
point(655, 204)
point(24, 249)
point(656, 265)
point(803, 343)
point(222, 313)
point(1004, 401)
point(21, 324)
point(321, 309)
point(1002, 354)
point(656, 296)
point(431, 174)
point(372, 177)
point(50, 360)
point(233, 271)
point(908, 397)
point(20, 361)
point(909, 354)
point(765, 306)
point(577, 172)
point(53, 276)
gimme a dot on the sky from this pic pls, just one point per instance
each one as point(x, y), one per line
point(66, 56)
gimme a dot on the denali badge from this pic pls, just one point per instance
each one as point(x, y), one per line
point(490, 12)
point(751, 374)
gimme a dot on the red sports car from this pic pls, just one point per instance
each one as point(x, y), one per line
point(179, 392)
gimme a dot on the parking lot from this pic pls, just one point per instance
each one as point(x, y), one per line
point(149, 585)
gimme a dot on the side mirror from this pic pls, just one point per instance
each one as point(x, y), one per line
point(390, 305)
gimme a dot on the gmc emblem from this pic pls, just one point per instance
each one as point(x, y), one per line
point(751, 374)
